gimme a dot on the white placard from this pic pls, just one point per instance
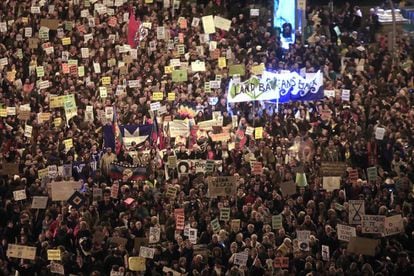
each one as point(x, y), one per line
point(329, 93)
point(28, 131)
point(379, 133)
point(97, 68)
point(240, 258)
point(195, 22)
point(19, 195)
point(155, 106)
point(192, 235)
point(393, 225)
point(146, 252)
point(356, 211)
point(85, 52)
point(154, 235)
point(325, 253)
point(331, 183)
point(161, 32)
point(249, 130)
point(222, 23)
point(133, 83)
point(254, 12)
point(345, 232)
point(198, 66)
point(346, 95)
point(28, 31)
point(373, 224)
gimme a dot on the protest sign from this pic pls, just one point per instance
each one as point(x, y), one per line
point(241, 258)
point(57, 268)
point(53, 255)
point(192, 235)
point(225, 214)
point(62, 190)
point(146, 252)
point(215, 225)
point(179, 75)
point(331, 183)
point(51, 24)
point(356, 211)
point(137, 263)
point(379, 133)
point(353, 175)
point(393, 225)
point(283, 87)
point(333, 168)
point(372, 173)
point(208, 24)
point(21, 251)
point(277, 222)
point(346, 94)
point(39, 202)
point(303, 237)
point(19, 195)
point(154, 234)
point(171, 192)
point(281, 262)
point(345, 232)
point(221, 186)
point(237, 69)
point(325, 253)
point(222, 23)
point(178, 128)
point(373, 224)
point(362, 246)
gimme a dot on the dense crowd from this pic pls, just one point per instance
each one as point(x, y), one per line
point(166, 222)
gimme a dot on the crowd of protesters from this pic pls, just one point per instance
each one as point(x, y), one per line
point(296, 139)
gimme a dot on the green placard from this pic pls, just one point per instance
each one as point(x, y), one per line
point(372, 173)
point(277, 222)
point(237, 69)
point(179, 75)
point(225, 214)
point(215, 225)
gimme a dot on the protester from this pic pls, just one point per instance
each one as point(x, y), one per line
point(95, 182)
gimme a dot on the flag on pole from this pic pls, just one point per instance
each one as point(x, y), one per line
point(117, 133)
point(133, 27)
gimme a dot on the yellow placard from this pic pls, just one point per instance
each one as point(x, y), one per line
point(44, 116)
point(53, 255)
point(68, 144)
point(57, 121)
point(222, 62)
point(171, 96)
point(40, 71)
point(3, 112)
point(106, 80)
point(11, 76)
point(258, 133)
point(81, 71)
point(66, 41)
point(157, 96)
point(55, 102)
point(136, 263)
point(258, 69)
point(42, 173)
point(168, 69)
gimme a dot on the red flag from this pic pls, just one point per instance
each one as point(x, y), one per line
point(133, 27)
point(117, 134)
